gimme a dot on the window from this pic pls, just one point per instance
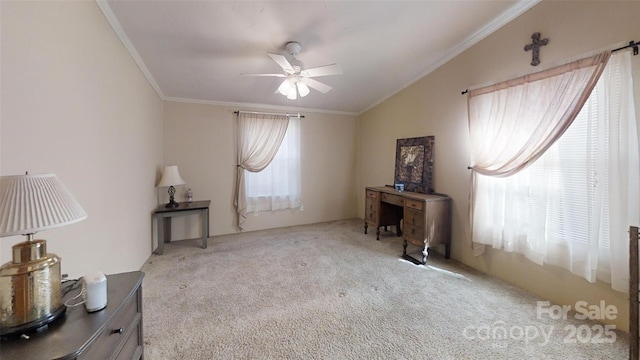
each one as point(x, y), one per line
point(572, 206)
point(278, 185)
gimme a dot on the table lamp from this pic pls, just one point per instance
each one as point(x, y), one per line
point(30, 294)
point(171, 177)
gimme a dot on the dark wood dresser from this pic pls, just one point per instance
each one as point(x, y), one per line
point(425, 218)
point(114, 332)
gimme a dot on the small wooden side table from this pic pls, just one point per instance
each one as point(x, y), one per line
point(163, 215)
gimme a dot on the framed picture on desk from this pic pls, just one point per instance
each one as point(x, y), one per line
point(414, 164)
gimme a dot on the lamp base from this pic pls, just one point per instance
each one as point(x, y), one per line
point(172, 203)
point(30, 288)
point(33, 325)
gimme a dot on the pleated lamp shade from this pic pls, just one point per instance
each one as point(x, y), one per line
point(32, 203)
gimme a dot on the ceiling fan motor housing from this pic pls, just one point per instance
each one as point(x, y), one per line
point(293, 47)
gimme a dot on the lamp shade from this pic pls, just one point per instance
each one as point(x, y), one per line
point(292, 95)
point(303, 89)
point(32, 203)
point(285, 87)
point(170, 177)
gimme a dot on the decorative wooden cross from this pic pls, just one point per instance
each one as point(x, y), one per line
point(535, 46)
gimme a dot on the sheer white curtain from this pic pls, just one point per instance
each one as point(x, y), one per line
point(623, 165)
point(259, 138)
point(512, 123)
point(277, 187)
point(573, 205)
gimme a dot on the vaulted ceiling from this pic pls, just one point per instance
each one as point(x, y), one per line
point(197, 50)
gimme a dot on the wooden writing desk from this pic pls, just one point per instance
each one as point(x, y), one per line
point(163, 216)
point(425, 218)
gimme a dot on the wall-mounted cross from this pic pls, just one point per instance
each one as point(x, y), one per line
point(535, 46)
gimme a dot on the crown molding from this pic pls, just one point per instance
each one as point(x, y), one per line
point(259, 106)
point(504, 18)
point(115, 25)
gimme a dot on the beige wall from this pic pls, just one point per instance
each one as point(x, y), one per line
point(201, 140)
point(74, 103)
point(434, 106)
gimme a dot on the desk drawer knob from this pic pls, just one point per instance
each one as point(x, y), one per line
point(117, 331)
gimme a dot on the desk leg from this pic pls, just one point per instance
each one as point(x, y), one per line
point(205, 227)
point(160, 248)
point(411, 258)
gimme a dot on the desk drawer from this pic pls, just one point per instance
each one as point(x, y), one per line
point(414, 234)
point(393, 199)
point(414, 204)
point(413, 217)
point(372, 194)
point(371, 210)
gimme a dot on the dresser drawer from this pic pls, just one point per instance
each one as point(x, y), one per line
point(372, 194)
point(393, 199)
point(109, 339)
point(132, 348)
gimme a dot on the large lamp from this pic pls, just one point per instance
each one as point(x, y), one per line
point(170, 178)
point(30, 294)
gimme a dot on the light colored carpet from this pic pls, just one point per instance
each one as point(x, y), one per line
point(327, 291)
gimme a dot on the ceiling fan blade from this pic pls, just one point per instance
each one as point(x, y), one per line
point(315, 84)
point(283, 62)
point(272, 75)
point(333, 69)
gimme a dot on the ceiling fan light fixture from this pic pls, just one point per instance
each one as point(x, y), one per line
point(303, 89)
point(286, 86)
point(298, 80)
point(293, 93)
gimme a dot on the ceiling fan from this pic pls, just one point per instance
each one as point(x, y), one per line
point(298, 80)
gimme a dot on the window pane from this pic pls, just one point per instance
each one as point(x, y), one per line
point(278, 185)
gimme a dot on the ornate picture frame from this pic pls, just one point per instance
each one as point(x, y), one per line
point(414, 164)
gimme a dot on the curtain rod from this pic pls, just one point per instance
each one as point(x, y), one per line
point(632, 44)
point(266, 113)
